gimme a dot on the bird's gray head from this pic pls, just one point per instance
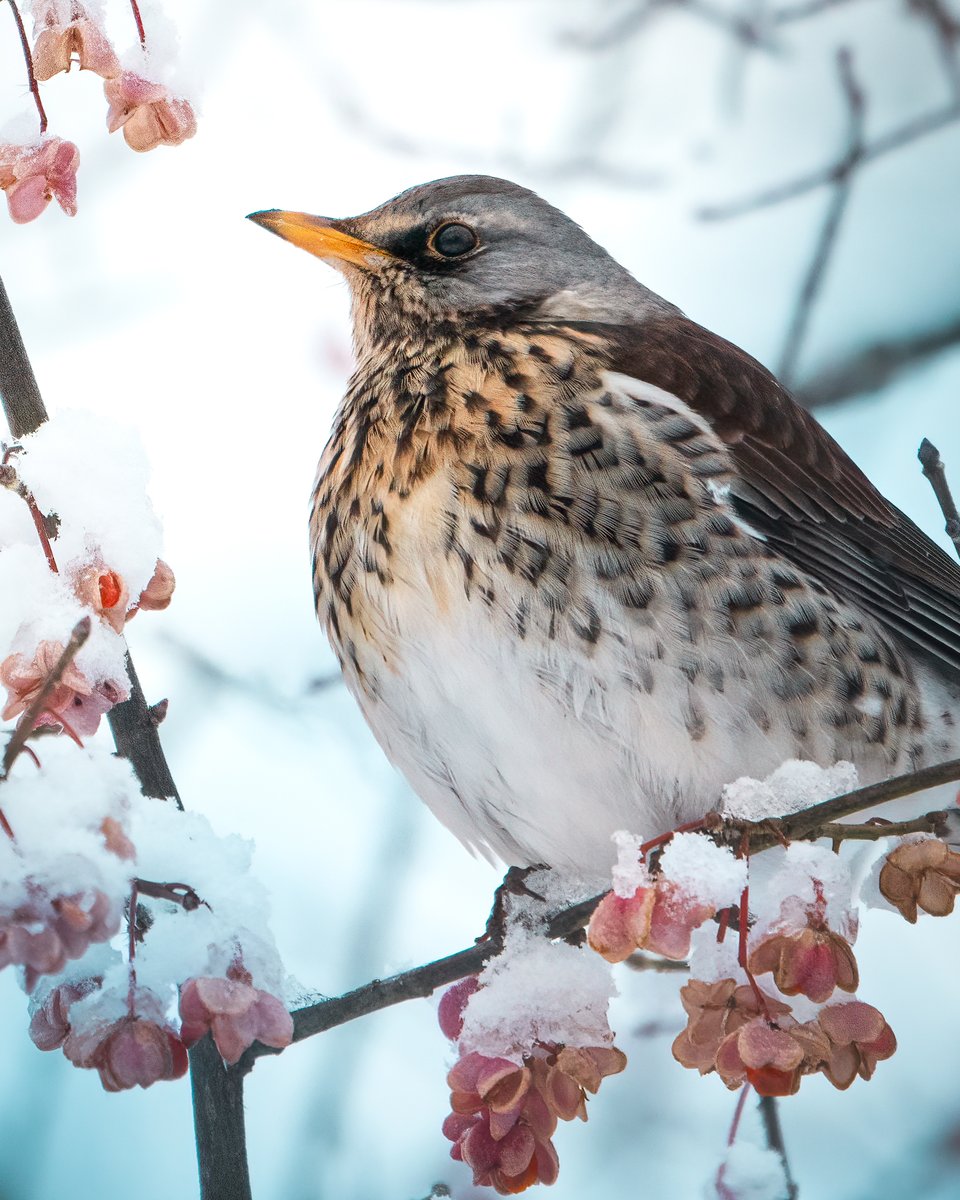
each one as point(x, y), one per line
point(468, 247)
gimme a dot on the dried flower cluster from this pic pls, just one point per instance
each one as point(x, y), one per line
point(140, 1046)
point(748, 1036)
point(77, 703)
point(504, 1113)
point(75, 832)
point(921, 875)
point(793, 943)
point(235, 1012)
point(148, 112)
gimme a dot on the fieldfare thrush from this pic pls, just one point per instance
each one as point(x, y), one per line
point(582, 561)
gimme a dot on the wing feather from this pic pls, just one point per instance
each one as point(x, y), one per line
point(798, 488)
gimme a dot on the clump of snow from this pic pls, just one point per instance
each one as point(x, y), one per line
point(161, 61)
point(174, 845)
point(56, 815)
point(538, 991)
point(786, 884)
point(704, 871)
point(793, 786)
point(630, 872)
point(93, 474)
point(753, 1173)
point(711, 960)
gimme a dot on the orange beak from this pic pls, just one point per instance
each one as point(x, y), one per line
point(320, 236)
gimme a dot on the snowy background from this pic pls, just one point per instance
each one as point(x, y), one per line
point(160, 307)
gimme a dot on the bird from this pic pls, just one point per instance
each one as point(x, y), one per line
point(584, 562)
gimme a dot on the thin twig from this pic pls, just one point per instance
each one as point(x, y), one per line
point(28, 59)
point(177, 893)
point(936, 823)
point(80, 633)
point(792, 13)
point(870, 369)
point(946, 32)
point(752, 34)
point(802, 824)
point(770, 1116)
point(139, 23)
point(827, 239)
point(11, 480)
point(933, 469)
point(906, 135)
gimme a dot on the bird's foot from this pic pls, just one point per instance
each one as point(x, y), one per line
point(514, 884)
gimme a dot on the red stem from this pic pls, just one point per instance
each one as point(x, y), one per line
point(744, 928)
point(722, 1189)
point(31, 77)
point(663, 838)
point(41, 529)
point(139, 20)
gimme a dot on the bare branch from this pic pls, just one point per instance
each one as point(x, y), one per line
point(134, 730)
point(803, 11)
point(945, 28)
point(906, 135)
point(751, 33)
point(934, 470)
point(936, 823)
point(803, 824)
point(217, 1092)
point(218, 1121)
point(422, 981)
point(80, 633)
point(827, 239)
point(870, 369)
point(21, 397)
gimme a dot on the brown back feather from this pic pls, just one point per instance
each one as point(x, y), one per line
point(798, 488)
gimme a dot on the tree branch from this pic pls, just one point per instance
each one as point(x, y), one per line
point(870, 369)
point(906, 135)
point(21, 397)
point(217, 1092)
point(934, 470)
point(827, 239)
point(218, 1122)
point(422, 981)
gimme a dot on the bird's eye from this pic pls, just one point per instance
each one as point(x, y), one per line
point(453, 239)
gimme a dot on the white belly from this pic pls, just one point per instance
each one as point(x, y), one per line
point(533, 751)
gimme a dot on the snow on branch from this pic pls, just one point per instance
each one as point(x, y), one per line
point(817, 821)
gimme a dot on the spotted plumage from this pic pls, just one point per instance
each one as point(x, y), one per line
point(582, 561)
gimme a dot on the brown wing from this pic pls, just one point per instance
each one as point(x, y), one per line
point(799, 489)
